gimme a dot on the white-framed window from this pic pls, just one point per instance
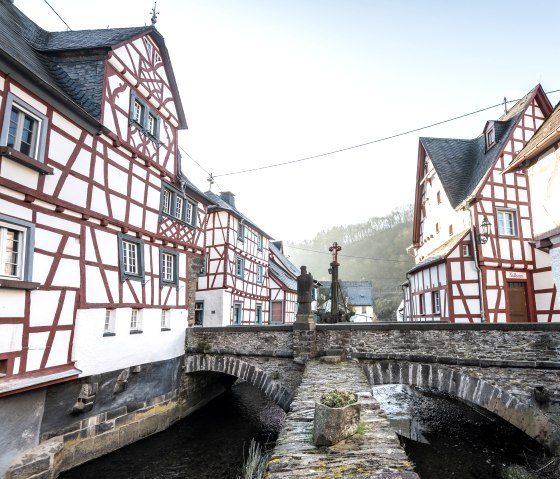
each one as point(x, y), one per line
point(435, 302)
point(138, 115)
point(240, 231)
point(237, 313)
point(490, 137)
point(239, 266)
point(259, 241)
point(259, 274)
point(466, 250)
point(109, 323)
point(258, 314)
point(135, 320)
point(189, 212)
point(179, 207)
point(169, 267)
point(165, 319)
point(141, 116)
point(131, 258)
point(16, 248)
point(422, 303)
point(166, 201)
point(507, 222)
point(24, 128)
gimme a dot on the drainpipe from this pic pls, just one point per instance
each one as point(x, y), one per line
point(411, 302)
point(475, 252)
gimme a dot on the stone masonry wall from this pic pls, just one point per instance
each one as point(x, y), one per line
point(89, 437)
point(271, 341)
point(533, 345)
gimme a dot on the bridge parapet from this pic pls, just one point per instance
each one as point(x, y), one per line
point(270, 341)
point(535, 345)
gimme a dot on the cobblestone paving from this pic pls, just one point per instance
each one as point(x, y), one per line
point(374, 452)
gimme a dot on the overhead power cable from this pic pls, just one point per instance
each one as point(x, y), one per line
point(210, 176)
point(61, 19)
point(378, 140)
point(351, 256)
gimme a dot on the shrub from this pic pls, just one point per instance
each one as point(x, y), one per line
point(338, 398)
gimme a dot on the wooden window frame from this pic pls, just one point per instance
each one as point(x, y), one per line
point(502, 212)
point(40, 141)
point(126, 275)
point(136, 321)
point(163, 254)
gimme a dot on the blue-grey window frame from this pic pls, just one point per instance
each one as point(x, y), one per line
point(41, 132)
point(241, 275)
point(29, 244)
point(143, 124)
point(239, 319)
point(140, 243)
point(259, 317)
point(186, 201)
point(175, 282)
point(241, 233)
point(281, 314)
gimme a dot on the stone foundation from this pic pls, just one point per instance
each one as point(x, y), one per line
point(91, 437)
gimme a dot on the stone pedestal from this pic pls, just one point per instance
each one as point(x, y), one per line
point(333, 424)
point(305, 338)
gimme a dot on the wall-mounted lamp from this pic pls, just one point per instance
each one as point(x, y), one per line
point(484, 231)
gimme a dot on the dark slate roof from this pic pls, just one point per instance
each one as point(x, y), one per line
point(359, 293)
point(440, 253)
point(284, 277)
point(223, 205)
point(462, 164)
point(282, 260)
point(69, 64)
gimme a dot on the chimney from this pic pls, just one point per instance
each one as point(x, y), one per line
point(228, 197)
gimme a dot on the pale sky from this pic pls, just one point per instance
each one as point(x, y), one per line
point(265, 82)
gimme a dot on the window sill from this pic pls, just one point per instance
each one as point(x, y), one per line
point(136, 331)
point(17, 284)
point(166, 329)
point(108, 334)
point(25, 160)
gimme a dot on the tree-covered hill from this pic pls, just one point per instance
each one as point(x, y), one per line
point(374, 250)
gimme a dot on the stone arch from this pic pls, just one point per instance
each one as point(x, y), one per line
point(242, 369)
point(517, 410)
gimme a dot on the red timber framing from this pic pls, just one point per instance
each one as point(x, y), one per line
point(507, 264)
point(104, 184)
point(236, 272)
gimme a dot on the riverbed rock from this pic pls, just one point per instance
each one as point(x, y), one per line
point(515, 471)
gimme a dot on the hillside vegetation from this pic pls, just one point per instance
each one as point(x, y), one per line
point(374, 250)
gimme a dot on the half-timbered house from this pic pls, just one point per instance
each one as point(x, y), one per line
point(283, 285)
point(99, 230)
point(234, 285)
point(473, 227)
point(541, 158)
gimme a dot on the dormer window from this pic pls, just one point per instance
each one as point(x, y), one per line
point(490, 135)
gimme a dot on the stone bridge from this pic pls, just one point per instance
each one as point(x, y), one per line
point(511, 370)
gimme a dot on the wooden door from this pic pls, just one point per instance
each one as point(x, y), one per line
point(517, 297)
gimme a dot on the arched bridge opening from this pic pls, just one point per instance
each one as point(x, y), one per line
point(470, 387)
point(246, 369)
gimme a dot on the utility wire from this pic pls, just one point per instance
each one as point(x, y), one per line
point(371, 142)
point(350, 256)
point(62, 20)
point(210, 176)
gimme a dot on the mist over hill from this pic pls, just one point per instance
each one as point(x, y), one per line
point(374, 250)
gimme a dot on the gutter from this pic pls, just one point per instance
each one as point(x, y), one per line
point(476, 261)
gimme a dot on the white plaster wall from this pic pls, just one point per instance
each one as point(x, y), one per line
point(214, 309)
point(95, 354)
point(10, 170)
point(544, 181)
